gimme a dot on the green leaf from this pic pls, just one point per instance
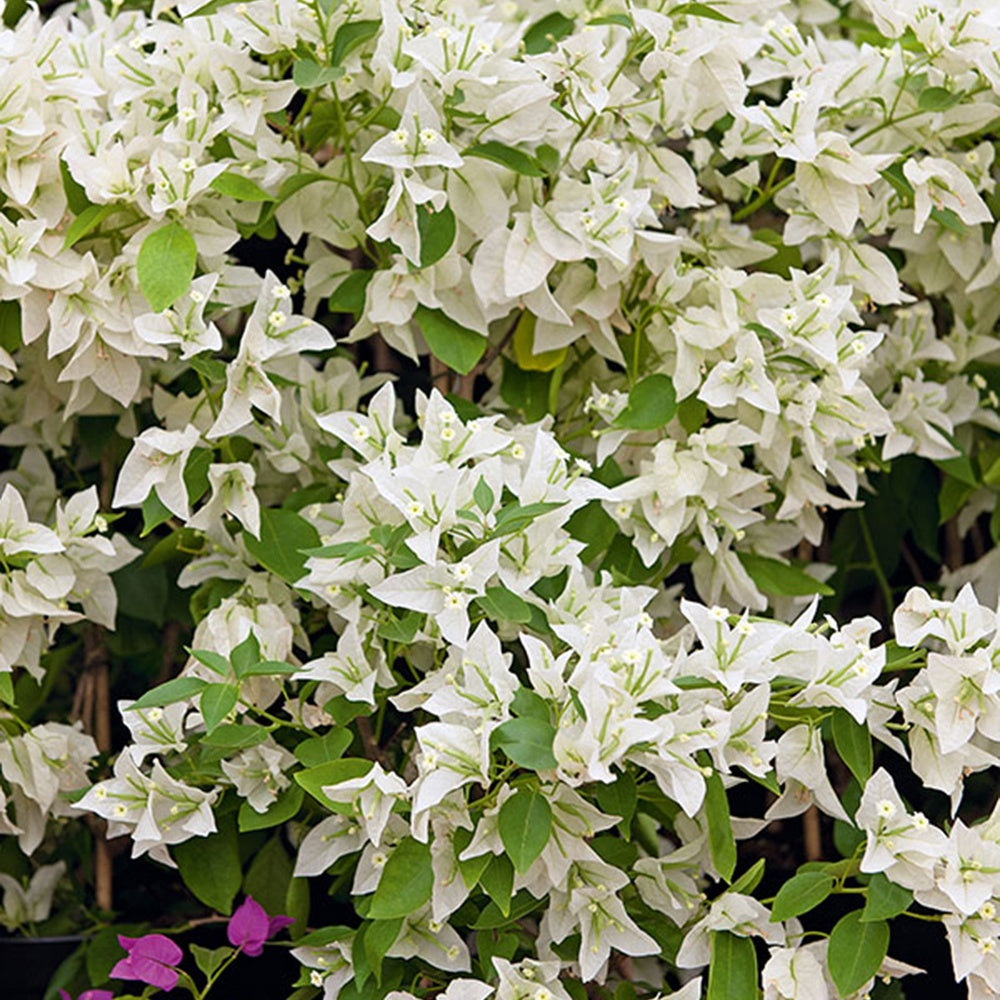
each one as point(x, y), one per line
point(498, 882)
point(196, 473)
point(524, 824)
point(240, 188)
point(10, 326)
point(319, 750)
point(775, 577)
point(284, 535)
point(544, 33)
point(701, 10)
point(801, 893)
point(721, 841)
point(76, 194)
point(217, 701)
point(530, 704)
point(213, 369)
point(516, 517)
point(269, 876)
point(483, 496)
point(449, 341)
point(284, 808)
point(350, 36)
point(154, 513)
point(854, 744)
point(937, 99)
point(651, 404)
point(210, 866)
point(231, 736)
point(515, 159)
point(215, 662)
point(178, 689)
point(245, 655)
point(856, 950)
point(750, 879)
point(379, 937)
point(527, 742)
point(732, 970)
point(619, 798)
point(437, 233)
point(308, 74)
point(166, 265)
point(312, 779)
point(349, 295)
point(406, 883)
point(502, 604)
point(402, 629)
point(210, 959)
point(86, 222)
point(885, 899)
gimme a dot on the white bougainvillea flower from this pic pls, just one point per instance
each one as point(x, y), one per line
point(157, 459)
point(939, 183)
point(232, 493)
point(31, 903)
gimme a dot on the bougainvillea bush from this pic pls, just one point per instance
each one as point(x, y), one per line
point(500, 499)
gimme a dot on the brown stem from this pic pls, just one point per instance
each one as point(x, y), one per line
point(811, 834)
point(171, 640)
point(953, 548)
point(372, 750)
point(97, 672)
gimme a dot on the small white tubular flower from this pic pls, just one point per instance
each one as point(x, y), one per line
point(157, 459)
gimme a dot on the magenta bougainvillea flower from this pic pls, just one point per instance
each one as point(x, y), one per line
point(89, 995)
point(250, 927)
point(151, 959)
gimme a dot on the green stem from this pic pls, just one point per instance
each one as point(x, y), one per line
point(876, 566)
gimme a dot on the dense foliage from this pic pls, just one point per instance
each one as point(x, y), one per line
point(473, 474)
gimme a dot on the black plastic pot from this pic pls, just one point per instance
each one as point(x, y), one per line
point(27, 964)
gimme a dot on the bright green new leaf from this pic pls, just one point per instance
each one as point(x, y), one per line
point(166, 265)
point(524, 824)
point(406, 883)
